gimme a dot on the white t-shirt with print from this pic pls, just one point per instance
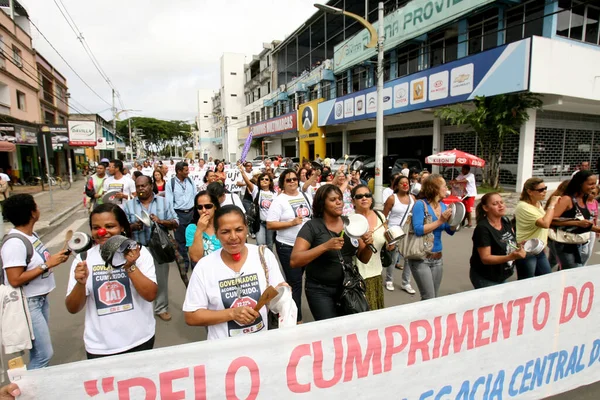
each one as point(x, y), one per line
point(265, 200)
point(117, 318)
point(285, 208)
point(313, 189)
point(124, 185)
point(214, 286)
point(14, 254)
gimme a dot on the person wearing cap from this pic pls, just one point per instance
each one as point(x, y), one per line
point(163, 214)
point(115, 282)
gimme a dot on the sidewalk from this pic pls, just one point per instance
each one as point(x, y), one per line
point(65, 203)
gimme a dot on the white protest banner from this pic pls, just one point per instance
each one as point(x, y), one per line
point(527, 339)
point(233, 177)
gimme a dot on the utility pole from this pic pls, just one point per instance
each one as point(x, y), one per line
point(114, 109)
point(130, 140)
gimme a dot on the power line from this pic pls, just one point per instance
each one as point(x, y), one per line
point(69, 65)
point(71, 22)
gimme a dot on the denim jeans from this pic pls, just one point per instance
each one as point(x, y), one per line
point(531, 266)
point(428, 276)
point(184, 220)
point(389, 270)
point(161, 303)
point(42, 351)
point(587, 249)
point(322, 300)
point(569, 255)
point(479, 281)
point(293, 276)
point(265, 236)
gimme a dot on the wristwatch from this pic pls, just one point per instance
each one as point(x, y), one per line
point(130, 269)
point(44, 267)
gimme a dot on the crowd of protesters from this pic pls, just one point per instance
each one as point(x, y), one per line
point(297, 220)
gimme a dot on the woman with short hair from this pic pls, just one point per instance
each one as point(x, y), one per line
point(29, 265)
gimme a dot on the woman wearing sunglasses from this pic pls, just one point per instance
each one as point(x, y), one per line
point(288, 213)
point(371, 271)
point(396, 209)
point(200, 236)
point(533, 223)
point(263, 194)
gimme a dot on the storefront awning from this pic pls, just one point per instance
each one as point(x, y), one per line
point(8, 147)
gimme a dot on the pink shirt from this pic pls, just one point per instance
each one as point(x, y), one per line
point(592, 206)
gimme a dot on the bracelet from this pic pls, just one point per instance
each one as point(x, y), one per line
point(130, 269)
point(551, 208)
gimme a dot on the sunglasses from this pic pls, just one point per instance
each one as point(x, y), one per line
point(290, 180)
point(540, 190)
point(201, 207)
point(360, 196)
point(266, 179)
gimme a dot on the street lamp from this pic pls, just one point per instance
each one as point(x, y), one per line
point(377, 39)
point(115, 116)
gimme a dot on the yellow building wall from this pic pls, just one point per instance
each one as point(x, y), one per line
point(310, 135)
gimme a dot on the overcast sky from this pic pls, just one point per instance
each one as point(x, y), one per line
point(157, 53)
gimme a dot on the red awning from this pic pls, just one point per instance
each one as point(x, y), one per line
point(7, 146)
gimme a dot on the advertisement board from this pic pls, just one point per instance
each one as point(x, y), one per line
point(275, 126)
point(82, 133)
point(414, 19)
point(504, 69)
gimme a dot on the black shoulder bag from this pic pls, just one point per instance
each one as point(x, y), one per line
point(353, 299)
point(385, 254)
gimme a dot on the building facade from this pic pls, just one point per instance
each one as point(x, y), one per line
point(437, 56)
point(207, 144)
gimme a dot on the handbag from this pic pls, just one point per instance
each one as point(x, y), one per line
point(385, 254)
point(273, 319)
point(413, 247)
point(160, 245)
point(562, 235)
point(352, 299)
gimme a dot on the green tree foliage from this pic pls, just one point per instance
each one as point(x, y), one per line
point(156, 131)
point(492, 120)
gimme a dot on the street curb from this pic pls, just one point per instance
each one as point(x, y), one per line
point(57, 220)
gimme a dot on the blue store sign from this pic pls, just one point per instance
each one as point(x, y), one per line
point(504, 69)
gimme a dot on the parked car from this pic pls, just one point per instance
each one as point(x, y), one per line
point(368, 169)
point(413, 163)
point(351, 162)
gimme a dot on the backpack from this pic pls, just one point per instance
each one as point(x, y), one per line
point(28, 247)
point(173, 183)
point(89, 188)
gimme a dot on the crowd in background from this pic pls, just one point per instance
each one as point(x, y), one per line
point(298, 221)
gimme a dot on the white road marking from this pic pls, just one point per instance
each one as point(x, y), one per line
point(59, 237)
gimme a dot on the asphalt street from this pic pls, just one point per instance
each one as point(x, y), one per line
point(67, 329)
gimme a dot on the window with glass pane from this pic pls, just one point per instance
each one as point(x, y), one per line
point(483, 31)
point(514, 24)
point(359, 78)
point(534, 18)
point(591, 24)
point(326, 90)
point(342, 84)
point(436, 49)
